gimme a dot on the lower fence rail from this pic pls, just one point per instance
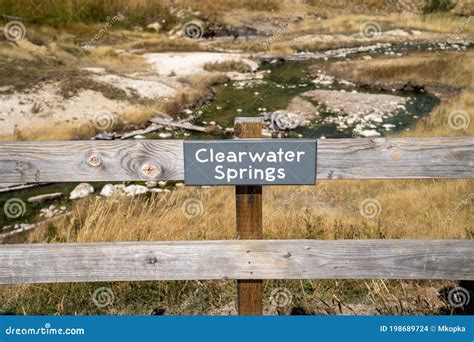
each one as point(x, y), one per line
point(237, 259)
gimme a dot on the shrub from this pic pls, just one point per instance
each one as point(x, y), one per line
point(432, 6)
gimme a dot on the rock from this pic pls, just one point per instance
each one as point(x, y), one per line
point(151, 184)
point(388, 127)
point(81, 190)
point(303, 107)
point(133, 190)
point(106, 136)
point(283, 120)
point(367, 58)
point(45, 197)
point(51, 211)
point(369, 133)
point(162, 183)
point(154, 26)
point(108, 190)
point(164, 135)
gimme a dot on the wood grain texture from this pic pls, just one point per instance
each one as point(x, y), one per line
point(381, 158)
point(242, 259)
point(248, 204)
point(71, 160)
point(395, 158)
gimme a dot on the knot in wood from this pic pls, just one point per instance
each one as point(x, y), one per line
point(151, 259)
point(94, 160)
point(150, 170)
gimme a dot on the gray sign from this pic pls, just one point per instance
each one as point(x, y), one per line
point(250, 162)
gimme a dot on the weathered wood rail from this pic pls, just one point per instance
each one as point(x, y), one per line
point(243, 259)
point(71, 161)
point(252, 260)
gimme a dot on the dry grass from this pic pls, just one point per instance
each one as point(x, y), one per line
point(331, 210)
point(232, 65)
point(455, 69)
point(409, 209)
point(438, 122)
point(51, 132)
point(197, 91)
point(114, 60)
point(159, 43)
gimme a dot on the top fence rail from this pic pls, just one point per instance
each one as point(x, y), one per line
point(381, 158)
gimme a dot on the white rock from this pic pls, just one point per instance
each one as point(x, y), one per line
point(369, 133)
point(388, 127)
point(154, 26)
point(108, 190)
point(151, 184)
point(81, 190)
point(162, 183)
point(133, 190)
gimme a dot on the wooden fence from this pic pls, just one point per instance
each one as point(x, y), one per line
point(247, 259)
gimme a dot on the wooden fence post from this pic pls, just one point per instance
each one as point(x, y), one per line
point(249, 221)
